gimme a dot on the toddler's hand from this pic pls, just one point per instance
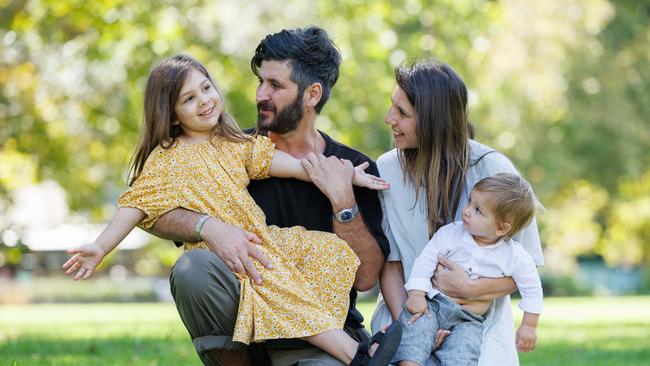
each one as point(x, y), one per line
point(526, 338)
point(417, 306)
point(85, 259)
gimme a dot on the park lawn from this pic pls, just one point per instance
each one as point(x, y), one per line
point(573, 331)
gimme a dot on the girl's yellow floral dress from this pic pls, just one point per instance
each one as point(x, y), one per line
point(307, 291)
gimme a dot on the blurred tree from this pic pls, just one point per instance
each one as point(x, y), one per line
point(561, 87)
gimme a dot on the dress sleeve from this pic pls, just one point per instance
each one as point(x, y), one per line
point(157, 190)
point(258, 154)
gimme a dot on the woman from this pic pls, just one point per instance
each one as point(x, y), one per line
point(431, 172)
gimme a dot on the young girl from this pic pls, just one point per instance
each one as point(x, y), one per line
point(193, 155)
point(498, 208)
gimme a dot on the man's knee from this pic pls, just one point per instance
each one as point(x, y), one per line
point(192, 268)
point(200, 272)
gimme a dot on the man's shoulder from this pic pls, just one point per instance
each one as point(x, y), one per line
point(344, 151)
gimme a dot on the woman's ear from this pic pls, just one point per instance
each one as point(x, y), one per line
point(503, 228)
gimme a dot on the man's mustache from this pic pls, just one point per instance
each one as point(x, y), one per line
point(265, 106)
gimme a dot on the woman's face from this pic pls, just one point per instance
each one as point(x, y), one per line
point(401, 119)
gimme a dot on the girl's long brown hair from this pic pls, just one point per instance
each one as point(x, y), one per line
point(163, 86)
point(439, 163)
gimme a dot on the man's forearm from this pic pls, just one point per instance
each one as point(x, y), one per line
point(359, 238)
point(364, 244)
point(177, 224)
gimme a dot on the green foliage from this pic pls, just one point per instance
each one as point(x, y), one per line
point(558, 86)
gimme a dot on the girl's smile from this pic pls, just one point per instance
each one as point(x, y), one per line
point(198, 107)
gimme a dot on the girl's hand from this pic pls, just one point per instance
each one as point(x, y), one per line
point(363, 179)
point(85, 259)
point(526, 338)
point(417, 306)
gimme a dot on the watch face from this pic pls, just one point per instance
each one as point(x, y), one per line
point(346, 216)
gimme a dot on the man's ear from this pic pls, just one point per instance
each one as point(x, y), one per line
point(312, 95)
point(503, 228)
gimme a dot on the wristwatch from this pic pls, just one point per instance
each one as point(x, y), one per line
point(347, 214)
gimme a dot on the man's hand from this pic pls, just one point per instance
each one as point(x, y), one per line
point(333, 177)
point(235, 247)
point(85, 259)
point(416, 304)
point(526, 338)
point(450, 278)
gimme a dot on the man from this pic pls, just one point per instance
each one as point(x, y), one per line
point(296, 70)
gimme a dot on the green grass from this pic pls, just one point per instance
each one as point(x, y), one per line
point(573, 331)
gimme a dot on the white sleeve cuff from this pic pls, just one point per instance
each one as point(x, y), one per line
point(533, 306)
point(420, 284)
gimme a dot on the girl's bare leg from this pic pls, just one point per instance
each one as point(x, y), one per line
point(337, 343)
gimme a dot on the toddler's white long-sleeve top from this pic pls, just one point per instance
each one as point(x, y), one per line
point(505, 258)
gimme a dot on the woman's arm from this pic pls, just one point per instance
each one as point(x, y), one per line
point(451, 279)
point(391, 281)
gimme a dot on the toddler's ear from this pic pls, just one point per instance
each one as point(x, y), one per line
point(503, 228)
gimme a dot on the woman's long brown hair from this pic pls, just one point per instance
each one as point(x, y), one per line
point(439, 163)
point(158, 128)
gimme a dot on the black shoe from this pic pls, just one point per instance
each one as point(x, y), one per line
point(388, 343)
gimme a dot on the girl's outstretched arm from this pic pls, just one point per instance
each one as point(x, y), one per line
point(88, 256)
point(284, 165)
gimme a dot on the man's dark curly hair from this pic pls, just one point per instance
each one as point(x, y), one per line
point(313, 57)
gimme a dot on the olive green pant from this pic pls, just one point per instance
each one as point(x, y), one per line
point(206, 293)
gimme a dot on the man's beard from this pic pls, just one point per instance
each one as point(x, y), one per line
point(286, 120)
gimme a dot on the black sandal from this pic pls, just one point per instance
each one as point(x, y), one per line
point(388, 343)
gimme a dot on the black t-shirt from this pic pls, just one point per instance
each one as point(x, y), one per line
point(289, 202)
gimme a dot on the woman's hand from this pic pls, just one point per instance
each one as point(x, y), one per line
point(450, 278)
point(85, 259)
